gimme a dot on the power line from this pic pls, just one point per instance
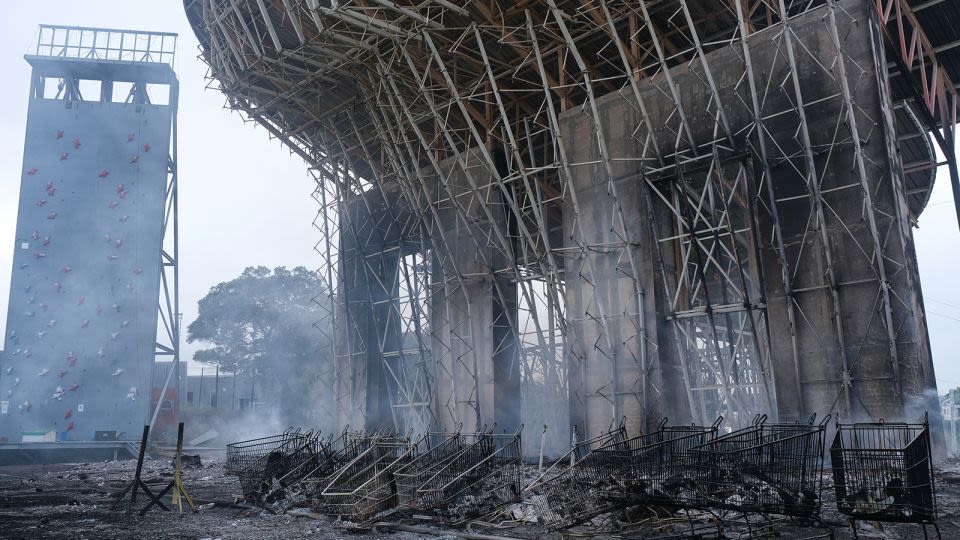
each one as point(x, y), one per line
point(943, 315)
point(941, 302)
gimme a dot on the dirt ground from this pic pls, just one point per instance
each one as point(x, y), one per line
point(75, 501)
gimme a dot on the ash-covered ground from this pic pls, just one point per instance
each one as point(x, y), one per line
point(77, 501)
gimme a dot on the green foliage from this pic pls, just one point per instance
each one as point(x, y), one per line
point(262, 322)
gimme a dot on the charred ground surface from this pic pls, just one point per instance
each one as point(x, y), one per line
point(76, 501)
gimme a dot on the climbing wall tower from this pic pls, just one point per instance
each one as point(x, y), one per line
point(93, 254)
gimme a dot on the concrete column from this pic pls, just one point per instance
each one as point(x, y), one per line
point(615, 362)
point(477, 376)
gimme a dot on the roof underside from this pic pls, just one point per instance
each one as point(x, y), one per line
point(301, 68)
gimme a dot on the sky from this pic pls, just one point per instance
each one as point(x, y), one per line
point(244, 200)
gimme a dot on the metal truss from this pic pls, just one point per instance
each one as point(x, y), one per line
point(476, 201)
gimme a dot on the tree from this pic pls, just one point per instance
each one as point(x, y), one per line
point(262, 323)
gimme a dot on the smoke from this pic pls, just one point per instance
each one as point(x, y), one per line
point(925, 405)
point(544, 408)
point(272, 329)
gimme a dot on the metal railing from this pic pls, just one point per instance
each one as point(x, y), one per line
point(106, 44)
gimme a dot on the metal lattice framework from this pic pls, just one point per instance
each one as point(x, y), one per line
point(607, 208)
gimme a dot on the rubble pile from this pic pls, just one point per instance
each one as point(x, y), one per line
point(75, 501)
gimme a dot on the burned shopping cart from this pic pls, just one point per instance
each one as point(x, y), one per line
point(299, 484)
point(764, 468)
point(267, 466)
point(652, 468)
point(485, 474)
point(884, 472)
point(440, 449)
point(366, 486)
point(564, 497)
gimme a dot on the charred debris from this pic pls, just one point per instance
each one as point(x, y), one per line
point(676, 481)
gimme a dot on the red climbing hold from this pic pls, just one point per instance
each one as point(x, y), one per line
point(81, 300)
point(43, 306)
point(146, 147)
point(39, 255)
point(135, 158)
point(32, 171)
point(111, 258)
point(59, 134)
point(69, 426)
point(65, 269)
point(131, 136)
point(41, 202)
point(73, 387)
point(104, 173)
point(68, 415)
point(57, 285)
point(64, 156)
point(71, 359)
point(46, 240)
point(112, 205)
point(76, 143)
point(61, 374)
point(138, 270)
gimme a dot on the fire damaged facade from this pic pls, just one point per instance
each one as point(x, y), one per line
point(573, 213)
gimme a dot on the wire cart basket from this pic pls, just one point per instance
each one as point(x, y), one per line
point(484, 475)
point(884, 472)
point(366, 486)
point(241, 455)
point(440, 450)
point(651, 468)
point(764, 468)
point(564, 497)
point(299, 484)
point(267, 466)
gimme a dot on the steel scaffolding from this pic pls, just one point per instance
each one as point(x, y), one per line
point(569, 212)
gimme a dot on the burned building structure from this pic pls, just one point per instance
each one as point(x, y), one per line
point(575, 212)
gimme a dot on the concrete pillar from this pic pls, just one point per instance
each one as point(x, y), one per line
point(616, 353)
point(844, 346)
point(477, 375)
